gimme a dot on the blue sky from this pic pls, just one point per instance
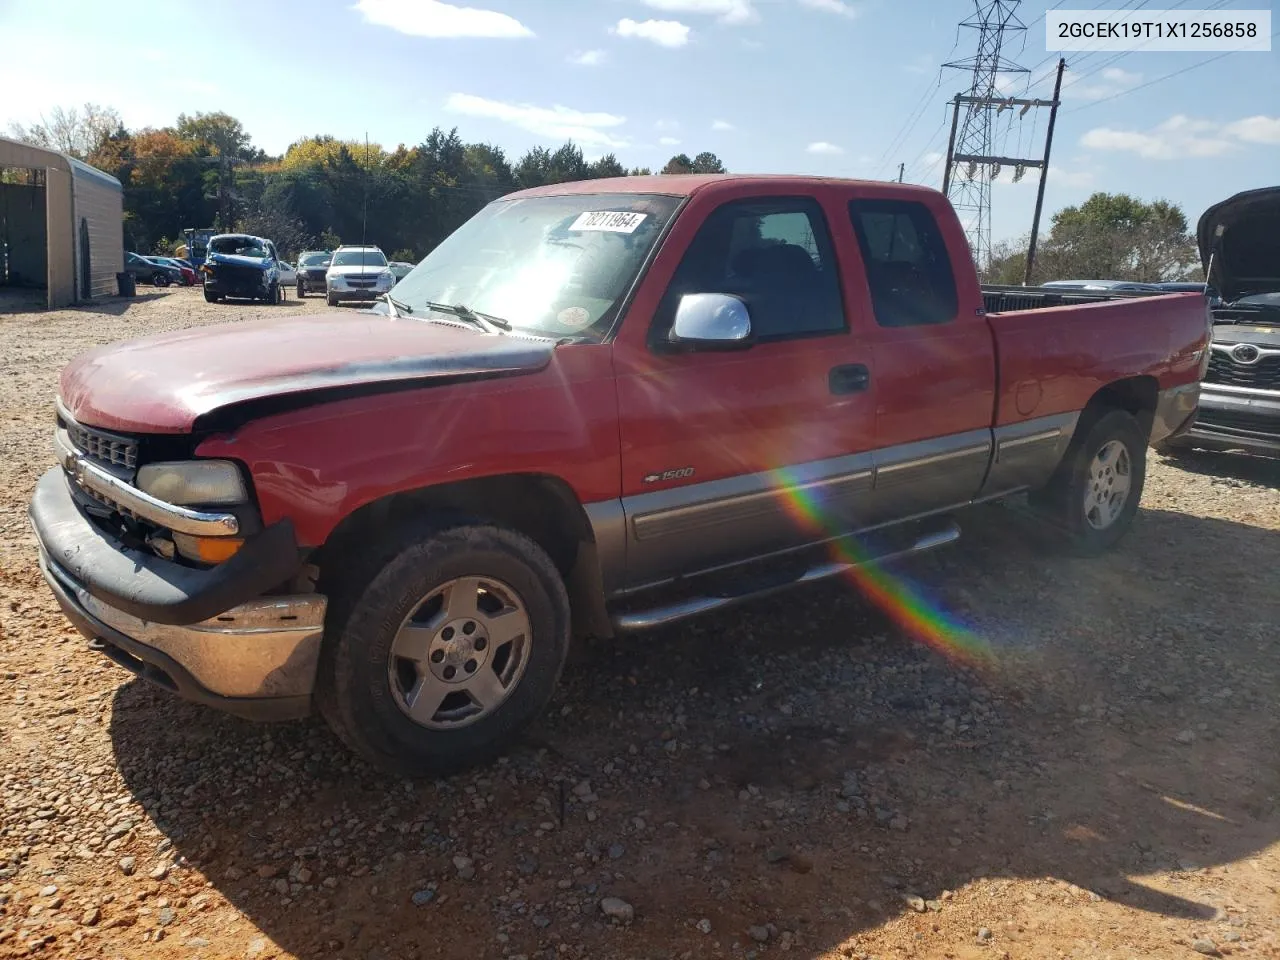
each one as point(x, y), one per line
point(800, 86)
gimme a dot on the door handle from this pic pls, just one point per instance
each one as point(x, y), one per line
point(849, 378)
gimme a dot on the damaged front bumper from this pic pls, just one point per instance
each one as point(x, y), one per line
point(208, 635)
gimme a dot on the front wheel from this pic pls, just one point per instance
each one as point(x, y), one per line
point(443, 649)
point(302, 292)
point(1093, 497)
point(331, 300)
point(210, 296)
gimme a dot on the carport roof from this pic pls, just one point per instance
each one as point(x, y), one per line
point(19, 154)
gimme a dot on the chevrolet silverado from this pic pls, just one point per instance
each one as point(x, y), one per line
point(594, 407)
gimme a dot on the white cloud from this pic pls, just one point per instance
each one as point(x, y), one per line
point(1113, 81)
point(822, 147)
point(832, 6)
point(729, 11)
point(665, 33)
point(556, 122)
point(669, 141)
point(1257, 129)
point(588, 58)
point(1181, 136)
point(721, 126)
point(434, 18)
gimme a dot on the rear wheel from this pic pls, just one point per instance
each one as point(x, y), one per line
point(443, 649)
point(1093, 497)
point(160, 280)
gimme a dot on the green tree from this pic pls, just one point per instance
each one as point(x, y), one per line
point(606, 166)
point(707, 163)
point(330, 240)
point(680, 163)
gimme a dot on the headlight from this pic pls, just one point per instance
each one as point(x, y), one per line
point(334, 279)
point(187, 482)
point(386, 277)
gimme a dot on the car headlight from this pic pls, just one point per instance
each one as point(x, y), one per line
point(185, 482)
point(386, 276)
point(334, 279)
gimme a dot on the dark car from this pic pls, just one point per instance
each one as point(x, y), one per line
point(312, 266)
point(188, 273)
point(1190, 286)
point(146, 270)
point(1239, 242)
point(242, 266)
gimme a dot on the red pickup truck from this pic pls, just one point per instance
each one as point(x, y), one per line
point(595, 407)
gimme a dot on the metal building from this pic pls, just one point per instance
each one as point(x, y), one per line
point(61, 225)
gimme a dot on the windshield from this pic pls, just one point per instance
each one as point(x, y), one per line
point(554, 266)
point(313, 259)
point(354, 258)
point(239, 247)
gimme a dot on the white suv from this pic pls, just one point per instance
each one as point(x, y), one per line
point(357, 273)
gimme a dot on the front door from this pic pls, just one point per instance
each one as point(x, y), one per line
point(728, 455)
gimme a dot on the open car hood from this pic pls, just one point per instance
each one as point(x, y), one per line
point(1241, 235)
point(236, 260)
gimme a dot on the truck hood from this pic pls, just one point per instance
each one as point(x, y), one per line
point(1242, 237)
point(209, 377)
point(235, 260)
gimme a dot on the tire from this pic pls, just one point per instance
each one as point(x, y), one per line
point(210, 296)
point(366, 686)
point(331, 300)
point(160, 280)
point(1109, 453)
point(273, 293)
point(302, 292)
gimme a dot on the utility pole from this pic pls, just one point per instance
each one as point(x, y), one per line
point(1044, 175)
point(902, 167)
point(972, 146)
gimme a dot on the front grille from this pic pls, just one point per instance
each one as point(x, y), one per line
point(1252, 423)
point(1263, 374)
point(107, 448)
point(360, 282)
point(233, 275)
point(315, 274)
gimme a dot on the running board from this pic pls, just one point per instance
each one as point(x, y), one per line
point(635, 620)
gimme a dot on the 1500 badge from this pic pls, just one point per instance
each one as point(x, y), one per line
point(679, 473)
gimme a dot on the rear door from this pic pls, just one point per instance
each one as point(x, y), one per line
point(933, 352)
point(727, 455)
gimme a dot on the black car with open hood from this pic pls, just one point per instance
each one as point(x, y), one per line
point(1239, 240)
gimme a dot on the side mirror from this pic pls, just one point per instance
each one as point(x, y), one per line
point(711, 321)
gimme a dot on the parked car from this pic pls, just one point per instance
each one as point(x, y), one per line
point(357, 273)
point(616, 404)
point(400, 269)
point(189, 265)
point(1239, 241)
point(187, 273)
point(312, 266)
point(243, 266)
point(1189, 286)
point(288, 275)
point(146, 270)
point(1114, 286)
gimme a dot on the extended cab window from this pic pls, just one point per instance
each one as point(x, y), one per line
point(908, 268)
point(775, 255)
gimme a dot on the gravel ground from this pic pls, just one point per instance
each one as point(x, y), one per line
point(801, 776)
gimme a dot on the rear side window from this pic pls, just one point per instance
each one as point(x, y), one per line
point(908, 268)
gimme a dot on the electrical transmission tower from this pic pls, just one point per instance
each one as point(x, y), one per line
point(970, 164)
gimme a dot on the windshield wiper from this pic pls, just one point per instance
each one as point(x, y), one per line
point(482, 321)
point(396, 306)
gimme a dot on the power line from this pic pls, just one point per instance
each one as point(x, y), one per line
point(1167, 76)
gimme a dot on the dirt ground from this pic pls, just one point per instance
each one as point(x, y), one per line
point(803, 776)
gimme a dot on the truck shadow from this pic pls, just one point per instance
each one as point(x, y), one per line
point(1245, 467)
point(802, 762)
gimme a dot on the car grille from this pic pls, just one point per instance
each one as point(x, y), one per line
point(314, 274)
point(105, 448)
point(360, 282)
point(237, 276)
point(1263, 374)
point(1256, 424)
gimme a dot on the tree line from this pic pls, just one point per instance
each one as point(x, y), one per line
point(205, 170)
point(1111, 236)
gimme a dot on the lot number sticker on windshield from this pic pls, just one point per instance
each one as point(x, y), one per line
point(611, 221)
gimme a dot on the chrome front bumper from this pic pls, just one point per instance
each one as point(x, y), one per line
point(257, 660)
